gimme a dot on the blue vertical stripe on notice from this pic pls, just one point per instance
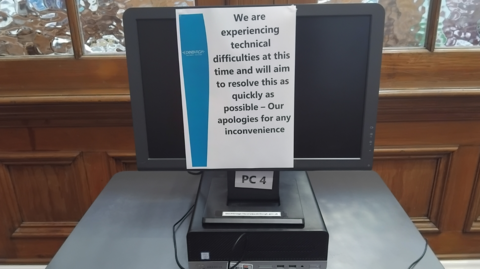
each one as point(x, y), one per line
point(193, 39)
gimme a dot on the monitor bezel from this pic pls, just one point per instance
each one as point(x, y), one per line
point(365, 162)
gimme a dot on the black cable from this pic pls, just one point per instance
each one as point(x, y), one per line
point(233, 249)
point(421, 257)
point(179, 223)
point(195, 172)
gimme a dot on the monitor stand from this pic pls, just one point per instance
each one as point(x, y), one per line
point(227, 205)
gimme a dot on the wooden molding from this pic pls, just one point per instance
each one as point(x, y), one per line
point(115, 110)
point(475, 226)
point(38, 157)
point(66, 100)
point(425, 225)
point(44, 229)
point(443, 154)
point(35, 261)
point(429, 105)
point(62, 111)
point(123, 155)
point(108, 74)
point(416, 93)
point(122, 95)
point(121, 161)
point(458, 256)
point(413, 152)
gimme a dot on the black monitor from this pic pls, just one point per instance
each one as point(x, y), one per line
point(337, 71)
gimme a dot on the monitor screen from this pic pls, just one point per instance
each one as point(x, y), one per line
point(330, 83)
point(333, 61)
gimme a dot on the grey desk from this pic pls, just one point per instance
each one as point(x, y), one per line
point(130, 224)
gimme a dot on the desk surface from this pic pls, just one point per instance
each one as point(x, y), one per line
point(130, 224)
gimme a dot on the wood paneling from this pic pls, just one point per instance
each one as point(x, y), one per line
point(411, 182)
point(459, 189)
point(59, 111)
point(42, 196)
point(61, 151)
point(36, 248)
point(428, 133)
point(122, 161)
point(48, 186)
point(416, 176)
point(423, 105)
point(9, 213)
point(454, 243)
point(85, 139)
point(15, 139)
point(44, 229)
point(98, 171)
point(473, 220)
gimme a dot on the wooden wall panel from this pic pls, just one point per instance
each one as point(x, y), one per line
point(411, 182)
point(49, 186)
point(9, 213)
point(35, 250)
point(15, 139)
point(459, 188)
point(416, 176)
point(98, 171)
point(43, 196)
point(473, 221)
point(428, 133)
point(85, 139)
point(57, 160)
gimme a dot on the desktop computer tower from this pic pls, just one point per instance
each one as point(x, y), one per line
point(257, 246)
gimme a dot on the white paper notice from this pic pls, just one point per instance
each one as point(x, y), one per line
point(237, 68)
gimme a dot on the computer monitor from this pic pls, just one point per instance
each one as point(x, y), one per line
point(337, 69)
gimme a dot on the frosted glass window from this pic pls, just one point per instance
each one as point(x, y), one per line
point(102, 24)
point(34, 27)
point(405, 21)
point(459, 24)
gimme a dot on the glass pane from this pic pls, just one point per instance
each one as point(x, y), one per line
point(459, 24)
point(34, 27)
point(405, 21)
point(102, 25)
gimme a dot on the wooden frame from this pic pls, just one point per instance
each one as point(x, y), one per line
point(105, 77)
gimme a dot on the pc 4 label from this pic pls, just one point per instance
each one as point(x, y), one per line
point(254, 179)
